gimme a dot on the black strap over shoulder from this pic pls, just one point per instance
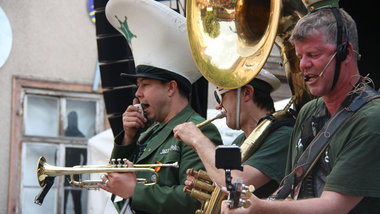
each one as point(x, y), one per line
point(312, 153)
point(276, 123)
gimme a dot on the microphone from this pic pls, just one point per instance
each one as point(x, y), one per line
point(327, 65)
point(304, 78)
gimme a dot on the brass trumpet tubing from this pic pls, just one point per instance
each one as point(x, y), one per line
point(45, 170)
point(85, 184)
point(93, 184)
point(175, 165)
point(53, 171)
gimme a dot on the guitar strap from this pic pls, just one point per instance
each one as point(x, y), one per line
point(317, 146)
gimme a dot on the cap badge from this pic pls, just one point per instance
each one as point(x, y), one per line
point(126, 31)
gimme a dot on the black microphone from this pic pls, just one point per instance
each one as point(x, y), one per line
point(304, 77)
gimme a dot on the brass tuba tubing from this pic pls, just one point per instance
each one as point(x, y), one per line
point(45, 170)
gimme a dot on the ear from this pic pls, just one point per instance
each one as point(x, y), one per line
point(247, 93)
point(172, 87)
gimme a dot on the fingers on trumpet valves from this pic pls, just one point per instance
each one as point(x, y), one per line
point(105, 179)
point(189, 182)
point(190, 171)
point(119, 162)
point(106, 182)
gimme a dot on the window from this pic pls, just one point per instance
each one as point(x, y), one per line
point(53, 120)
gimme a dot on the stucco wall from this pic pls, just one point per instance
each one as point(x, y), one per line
point(52, 40)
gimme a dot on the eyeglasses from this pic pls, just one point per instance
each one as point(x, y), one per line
point(218, 93)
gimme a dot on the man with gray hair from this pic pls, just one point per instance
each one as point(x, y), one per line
point(334, 151)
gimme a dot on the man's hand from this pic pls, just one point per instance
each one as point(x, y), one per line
point(133, 119)
point(189, 133)
point(329, 202)
point(121, 184)
point(189, 179)
point(251, 209)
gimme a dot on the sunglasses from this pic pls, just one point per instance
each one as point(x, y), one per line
point(218, 93)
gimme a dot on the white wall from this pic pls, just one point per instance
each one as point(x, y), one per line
point(52, 40)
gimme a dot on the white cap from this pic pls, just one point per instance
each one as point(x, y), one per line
point(156, 35)
point(269, 78)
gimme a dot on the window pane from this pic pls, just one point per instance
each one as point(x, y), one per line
point(75, 156)
point(81, 118)
point(31, 154)
point(41, 116)
point(28, 205)
point(75, 199)
point(29, 182)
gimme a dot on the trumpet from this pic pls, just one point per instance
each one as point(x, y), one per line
point(46, 173)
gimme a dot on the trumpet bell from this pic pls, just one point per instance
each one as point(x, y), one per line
point(231, 40)
point(40, 171)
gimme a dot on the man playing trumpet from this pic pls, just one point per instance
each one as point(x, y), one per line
point(165, 71)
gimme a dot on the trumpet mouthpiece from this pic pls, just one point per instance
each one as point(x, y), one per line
point(175, 165)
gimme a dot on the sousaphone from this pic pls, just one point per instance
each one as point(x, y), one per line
point(230, 41)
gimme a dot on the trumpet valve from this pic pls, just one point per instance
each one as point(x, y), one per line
point(203, 186)
point(113, 162)
point(200, 174)
point(119, 163)
point(125, 162)
point(198, 194)
point(86, 184)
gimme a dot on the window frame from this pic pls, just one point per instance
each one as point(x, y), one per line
point(26, 85)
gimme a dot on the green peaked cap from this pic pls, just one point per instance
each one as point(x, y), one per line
point(313, 5)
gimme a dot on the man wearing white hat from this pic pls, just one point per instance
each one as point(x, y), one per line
point(266, 167)
point(164, 73)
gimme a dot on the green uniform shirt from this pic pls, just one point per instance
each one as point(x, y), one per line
point(270, 158)
point(353, 154)
point(167, 196)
